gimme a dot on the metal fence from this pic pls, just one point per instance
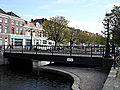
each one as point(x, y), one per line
point(56, 50)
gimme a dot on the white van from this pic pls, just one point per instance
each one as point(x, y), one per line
point(46, 45)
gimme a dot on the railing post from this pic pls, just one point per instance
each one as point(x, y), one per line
point(70, 50)
point(52, 50)
point(10, 48)
point(100, 51)
point(85, 50)
point(91, 51)
point(103, 51)
point(36, 49)
point(22, 49)
point(4, 48)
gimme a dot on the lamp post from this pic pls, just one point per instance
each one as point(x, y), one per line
point(31, 40)
point(107, 52)
point(113, 44)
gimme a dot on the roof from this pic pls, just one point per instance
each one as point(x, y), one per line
point(40, 26)
point(1, 11)
point(12, 14)
point(31, 24)
point(40, 21)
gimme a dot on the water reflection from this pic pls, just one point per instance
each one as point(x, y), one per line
point(22, 80)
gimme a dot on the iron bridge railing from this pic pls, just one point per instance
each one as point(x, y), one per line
point(56, 50)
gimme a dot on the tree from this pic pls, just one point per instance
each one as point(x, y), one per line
point(114, 23)
point(57, 29)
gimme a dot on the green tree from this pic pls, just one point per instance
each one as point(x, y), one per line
point(57, 29)
point(114, 23)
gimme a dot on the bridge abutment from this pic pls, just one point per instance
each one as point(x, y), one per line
point(107, 63)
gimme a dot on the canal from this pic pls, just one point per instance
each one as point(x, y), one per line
point(16, 79)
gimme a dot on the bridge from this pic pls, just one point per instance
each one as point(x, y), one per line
point(59, 54)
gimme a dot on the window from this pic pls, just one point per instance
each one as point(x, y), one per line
point(1, 19)
point(17, 30)
point(21, 24)
point(1, 27)
point(6, 29)
point(33, 33)
point(37, 24)
point(40, 34)
point(44, 42)
point(12, 22)
point(12, 30)
point(17, 23)
point(6, 20)
point(21, 31)
point(44, 35)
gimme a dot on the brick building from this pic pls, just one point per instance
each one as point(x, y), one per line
point(10, 25)
point(17, 31)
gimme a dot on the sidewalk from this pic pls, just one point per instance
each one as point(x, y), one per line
point(113, 80)
point(87, 78)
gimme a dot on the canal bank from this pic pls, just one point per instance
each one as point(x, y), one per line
point(85, 78)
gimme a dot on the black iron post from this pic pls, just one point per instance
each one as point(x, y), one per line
point(4, 48)
point(113, 44)
point(91, 51)
point(22, 49)
point(70, 47)
point(31, 40)
point(107, 52)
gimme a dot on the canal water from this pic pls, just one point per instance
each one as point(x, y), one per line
point(14, 79)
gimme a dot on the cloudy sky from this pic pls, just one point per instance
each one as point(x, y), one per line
point(82, 14)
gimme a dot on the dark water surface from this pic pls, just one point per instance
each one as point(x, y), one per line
point(22, 80)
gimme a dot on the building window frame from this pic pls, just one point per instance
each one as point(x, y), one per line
point(40, 34)
point(44, 41)
point(17, 23)
point(1, 28)
point(6, 20)
point(6, 29)
point(1, 19)
point(21, 24)
point(12, 22)
point(17, 30)
point(21, 31)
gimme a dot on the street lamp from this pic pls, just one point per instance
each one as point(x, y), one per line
point(31, 39)
point(107, 52)
point(113, 44)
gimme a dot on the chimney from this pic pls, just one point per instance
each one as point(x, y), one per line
point(31, 20)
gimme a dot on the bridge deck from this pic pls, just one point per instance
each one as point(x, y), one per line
point(57, 57)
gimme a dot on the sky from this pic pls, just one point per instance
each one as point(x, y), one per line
point(86, 15)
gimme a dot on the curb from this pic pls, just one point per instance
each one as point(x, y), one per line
point(72, 76)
